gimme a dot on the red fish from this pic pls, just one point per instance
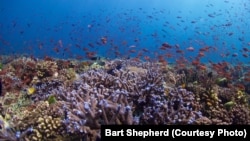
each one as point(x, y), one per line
point(104, 40)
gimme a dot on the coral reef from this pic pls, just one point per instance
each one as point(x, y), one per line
point(69, 100)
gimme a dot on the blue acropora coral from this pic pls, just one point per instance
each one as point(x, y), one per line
point(71, 102)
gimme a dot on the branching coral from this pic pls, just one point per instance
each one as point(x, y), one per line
point(44, 119)
point(178, 107)
point(132, 94)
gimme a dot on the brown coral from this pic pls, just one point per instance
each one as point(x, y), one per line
point(45, 121)
point(46, 69)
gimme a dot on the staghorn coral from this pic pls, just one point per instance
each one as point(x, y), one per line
point(177, 107)
point(123, 97)
point(43, 87)
point(88, 106)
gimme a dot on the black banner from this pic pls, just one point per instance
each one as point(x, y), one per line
point(175, 132)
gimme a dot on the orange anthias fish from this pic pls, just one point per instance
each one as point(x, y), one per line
point(104, 40)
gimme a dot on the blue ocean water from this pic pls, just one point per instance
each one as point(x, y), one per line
point(130, 28)
point(202, 75)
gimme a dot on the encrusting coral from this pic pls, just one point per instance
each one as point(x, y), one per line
point(46, 68)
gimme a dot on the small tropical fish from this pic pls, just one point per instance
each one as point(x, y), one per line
point(31, 90)
point(234, 54)
point(104, 40)
point(60, 43)
point(190, 48)
point(245, 55)
point(132, 46)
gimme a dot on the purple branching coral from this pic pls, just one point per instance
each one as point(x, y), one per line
point(132, 94)
point(181, 107)
point(10, 134)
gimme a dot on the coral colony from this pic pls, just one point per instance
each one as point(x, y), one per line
point(50, 99)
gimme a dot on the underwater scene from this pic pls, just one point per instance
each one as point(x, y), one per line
point(69, 66)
